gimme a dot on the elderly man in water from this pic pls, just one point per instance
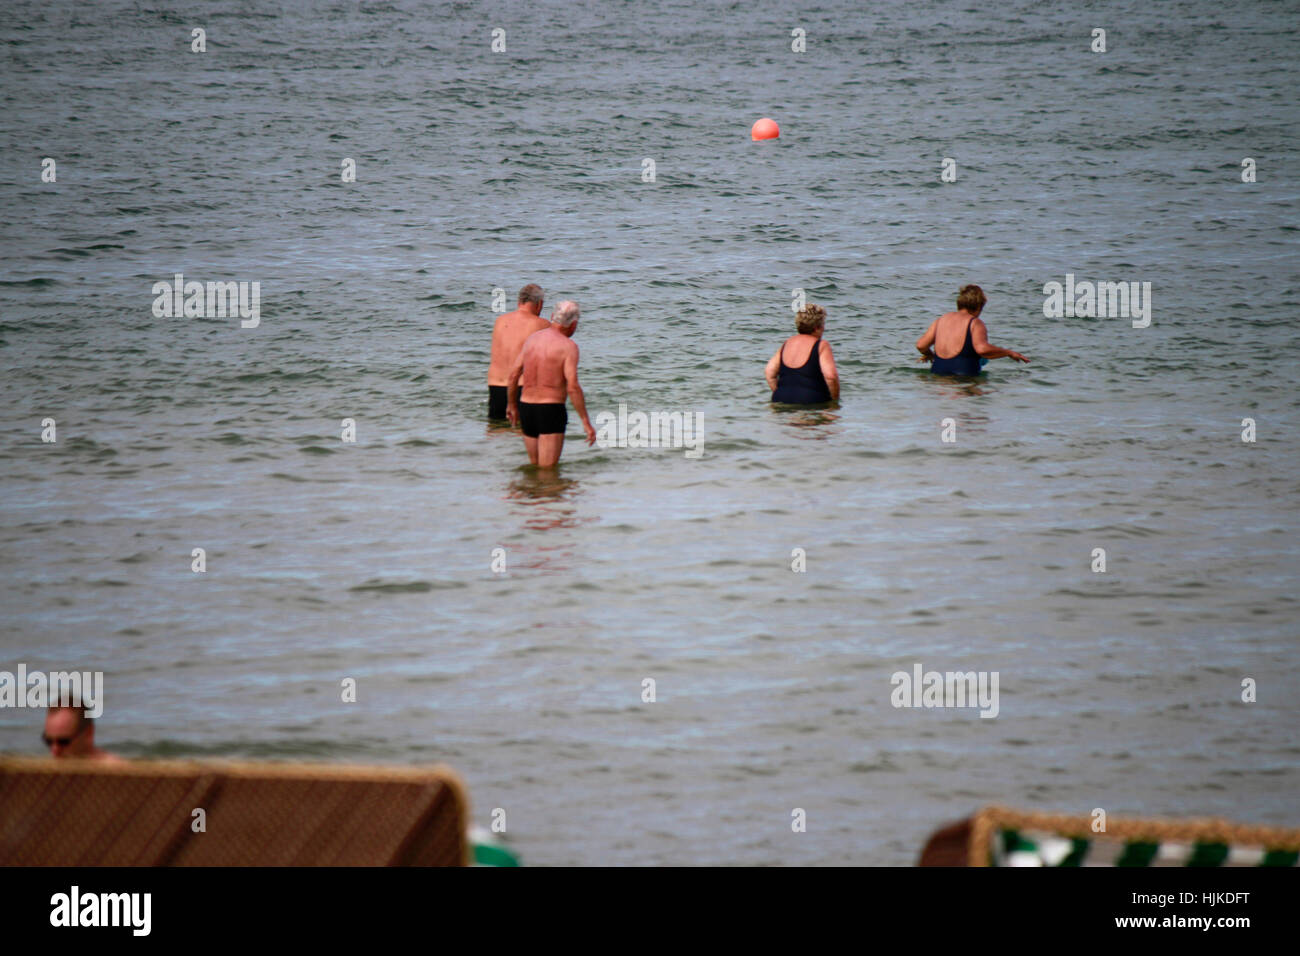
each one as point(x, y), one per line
point(508, 337)
point(548, 368)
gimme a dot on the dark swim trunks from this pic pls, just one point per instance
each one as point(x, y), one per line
point(497, 401)
point(544, 419)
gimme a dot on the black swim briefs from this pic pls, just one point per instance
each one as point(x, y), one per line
point(545, 419)
point(497, 401)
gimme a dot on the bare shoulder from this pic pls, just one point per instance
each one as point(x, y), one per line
point(530, 343)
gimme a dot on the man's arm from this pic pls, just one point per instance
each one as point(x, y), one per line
point(575, 392)
point(773, 369)
point(925, 344)
point(829, 371)
point(979, 338)
point(512, 389)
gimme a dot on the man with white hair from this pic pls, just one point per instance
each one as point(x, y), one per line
point(548, 367)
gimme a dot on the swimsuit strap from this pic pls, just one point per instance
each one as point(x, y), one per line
point(964, 345)
point(816, 343)
point(790, 367)
point(968, 347)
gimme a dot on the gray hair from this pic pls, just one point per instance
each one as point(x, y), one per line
point(810, 319)
point(565, 315)
point(530, 293)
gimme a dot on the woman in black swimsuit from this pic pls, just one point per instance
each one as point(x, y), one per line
point(975, 348)
point(802, 372)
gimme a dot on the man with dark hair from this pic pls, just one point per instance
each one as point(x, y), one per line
point(508, 337)
point(70, 733)
point(963, 337)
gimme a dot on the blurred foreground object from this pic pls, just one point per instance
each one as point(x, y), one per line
point(88, 813)
point(1001, 836)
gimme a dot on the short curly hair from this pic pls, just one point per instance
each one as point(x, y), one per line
point(972, 299)
point(810, 319)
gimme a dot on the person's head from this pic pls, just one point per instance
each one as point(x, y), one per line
point(811, 320)
point(565, 316)
point(69, 732)
point(530, 298)
point(972, 299)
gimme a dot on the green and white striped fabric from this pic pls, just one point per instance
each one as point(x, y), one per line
point(488, 850)
point(1038, 848)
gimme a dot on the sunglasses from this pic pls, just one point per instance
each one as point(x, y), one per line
point(61, 741)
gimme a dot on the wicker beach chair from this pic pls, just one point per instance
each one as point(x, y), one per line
point(185, 813)
point(1001, 836)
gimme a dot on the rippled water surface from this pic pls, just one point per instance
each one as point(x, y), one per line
point(478, 170)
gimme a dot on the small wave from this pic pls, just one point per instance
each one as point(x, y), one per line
point(408, 587)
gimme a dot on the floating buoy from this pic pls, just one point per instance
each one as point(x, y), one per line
point(765, 129)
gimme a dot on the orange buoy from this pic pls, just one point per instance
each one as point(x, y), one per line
point(765, 129)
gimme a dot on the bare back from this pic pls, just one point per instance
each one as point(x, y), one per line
point(508, 336)
point(797, 348)
point(950, 332)
point(550, 361)
point(795, 352)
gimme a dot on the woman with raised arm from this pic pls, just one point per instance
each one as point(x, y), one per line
point(955, 342)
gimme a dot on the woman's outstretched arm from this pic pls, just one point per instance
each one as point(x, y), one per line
point(979, 338)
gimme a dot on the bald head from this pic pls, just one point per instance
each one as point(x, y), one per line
point(69, 732)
